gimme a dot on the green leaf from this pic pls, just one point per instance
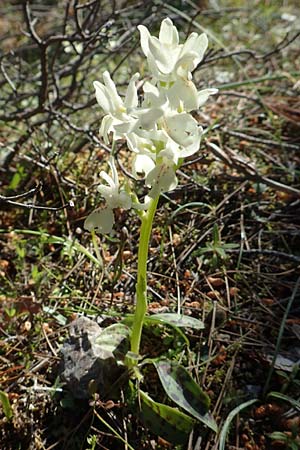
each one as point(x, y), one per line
point(208, 248)
point(151, 320)
point(221, 252)
point(285, 398)
point(216, 235)
point(184, 391)
point(278, 435)
point(62, 320)
point(179, 320)
point(229, 419)
point(115, 339)
point(17, 178)
point(229, 246)
point(6, 405)
point(165, 421)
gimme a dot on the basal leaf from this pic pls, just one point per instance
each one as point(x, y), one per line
point(150, 320)
point(184, 391)
point(165, 421)
point(179, 320)
point(115, 339)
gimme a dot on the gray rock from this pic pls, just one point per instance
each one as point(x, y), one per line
point(87, 367)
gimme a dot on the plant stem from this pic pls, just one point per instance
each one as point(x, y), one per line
point(141, 285)
point(96, 247)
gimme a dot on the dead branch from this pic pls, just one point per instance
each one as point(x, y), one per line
point(230, 158)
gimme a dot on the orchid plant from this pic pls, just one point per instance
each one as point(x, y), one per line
point(160, 132)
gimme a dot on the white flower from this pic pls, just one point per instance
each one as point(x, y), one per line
point(123, 117)
point(154, 97)
point(184, 130)
point(108, 98)
point(102, 220)
point(115, 198)
point(183, 95)
point(145, 154)
point(117, 111)
point(167, 58)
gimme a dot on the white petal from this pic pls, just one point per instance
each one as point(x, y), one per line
point(150, 88)
point(145, 35)
point(186, 64)
point(154, 69)
point(107, 192)
point(161, 179)
point(152, 95)
point(164, 58)
point(142, 165)
point(101, 220)
point(131, 98)
point(171, 152)
point(195, 44)
point(105, 128)
point(123, 128)
point(108, 180)
point(201, 46)
point(124, 200)
point(191, 54)
point(101, 96)
point(184, 129)
point(147, 117)
point(156, 136)
point(115, 176)
point(140, 144)
point(204, 94)
point(116, 101)
point(168, 33)
point(185, 91)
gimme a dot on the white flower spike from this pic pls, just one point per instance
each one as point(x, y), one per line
point(159, 131)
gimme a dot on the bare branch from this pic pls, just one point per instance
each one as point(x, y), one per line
point(232, 160)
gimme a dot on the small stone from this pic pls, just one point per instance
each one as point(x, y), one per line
point(215, 282)
point(86, 363)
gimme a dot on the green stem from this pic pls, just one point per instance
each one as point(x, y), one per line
point(141, 285)
point(96, 247)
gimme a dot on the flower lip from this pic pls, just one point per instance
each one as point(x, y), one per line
point(101, 220)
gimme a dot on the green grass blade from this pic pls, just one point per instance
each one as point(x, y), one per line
point(7, 409)
point(229, 419)
point(285, 398)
